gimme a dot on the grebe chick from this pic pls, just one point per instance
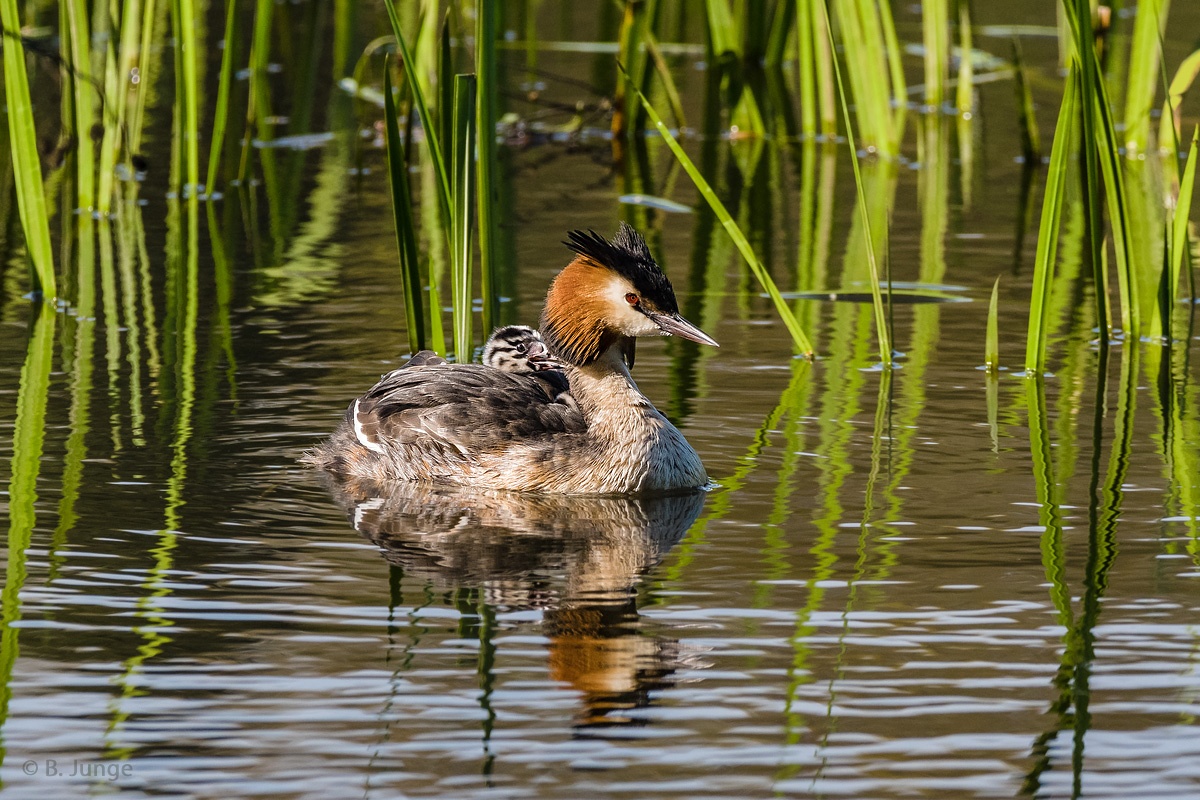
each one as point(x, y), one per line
point(513, 348)
point(478, 426)
point(520, 349)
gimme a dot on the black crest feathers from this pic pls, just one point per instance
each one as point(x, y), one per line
point(629, 256)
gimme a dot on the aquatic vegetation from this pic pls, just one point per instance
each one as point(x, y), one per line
point(180, 360)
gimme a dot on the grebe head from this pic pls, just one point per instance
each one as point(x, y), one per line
point(518, 349)
point(612, 292)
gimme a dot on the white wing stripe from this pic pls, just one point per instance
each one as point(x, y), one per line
point(361, 435)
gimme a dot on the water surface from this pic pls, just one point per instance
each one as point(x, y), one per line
point(901, 584)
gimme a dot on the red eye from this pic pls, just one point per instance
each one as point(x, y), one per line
point(632, 299)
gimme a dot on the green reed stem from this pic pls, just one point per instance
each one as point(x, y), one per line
point(427, 123)
point(1142, 82)
point(464, 206)
point(224, 87)
point(445, 90)
point(1047, 246)
point(1169, 125)
point(882, 329)
point(76, 44)
point(185, 12)
point(1079, 15)
point(807, 68)
point(145, 75)
point(781, 29)
point(668, 82)
point(1179, 222)
point(966, 65)
point(634, 29)
point(992, 339)
point(402, 213)
point(487, 114)
point(935, 23)
point(27, 172)
point(863, 47)
point(109, 141)
point(735, 233)
point(722, 28)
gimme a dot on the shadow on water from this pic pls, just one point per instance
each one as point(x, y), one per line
point(578, 560)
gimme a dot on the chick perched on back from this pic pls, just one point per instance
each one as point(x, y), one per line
point(519, 349)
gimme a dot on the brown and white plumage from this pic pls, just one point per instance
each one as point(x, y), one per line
point(475, 425)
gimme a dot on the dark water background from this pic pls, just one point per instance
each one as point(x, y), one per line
point(879, 598)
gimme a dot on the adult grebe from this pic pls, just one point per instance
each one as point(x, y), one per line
point(474, 425)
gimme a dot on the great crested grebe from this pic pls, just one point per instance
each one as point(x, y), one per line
point(478, 426)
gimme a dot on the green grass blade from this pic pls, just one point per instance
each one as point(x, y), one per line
point(668, 83)
point(935, 23)
point(743, 245)
point(108, 143)
point(893, 51)
point(224, 83)
point(27, 173)
point(1129, 282)
point(806, 55)
point(882, 328)
point(1047, 246)
point(189, 47)
point(115, 135)
point(724, 32)
point(77, 41)
point(427, 123)
point(1179, 222)
point(1079, 16)
point(402, 213)
point(992, 340)
point(146, 75)
point(487, 115)
point(464, 205)
point(1169, 125)
point(634, 27)
point(1142, 82)
point(966, 65)
point(445, 90)
point(781, 29)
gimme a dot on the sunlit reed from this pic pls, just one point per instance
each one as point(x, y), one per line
point(402, 214)
point(487, 192)
point(1142, 80)
point(1047, 245)
point(27, 175)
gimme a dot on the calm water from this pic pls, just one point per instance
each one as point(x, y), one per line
point(904, 585)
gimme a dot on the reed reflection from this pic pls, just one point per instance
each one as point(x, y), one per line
point(576, 559)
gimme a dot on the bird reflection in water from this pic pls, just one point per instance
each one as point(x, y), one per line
point(577, 559)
